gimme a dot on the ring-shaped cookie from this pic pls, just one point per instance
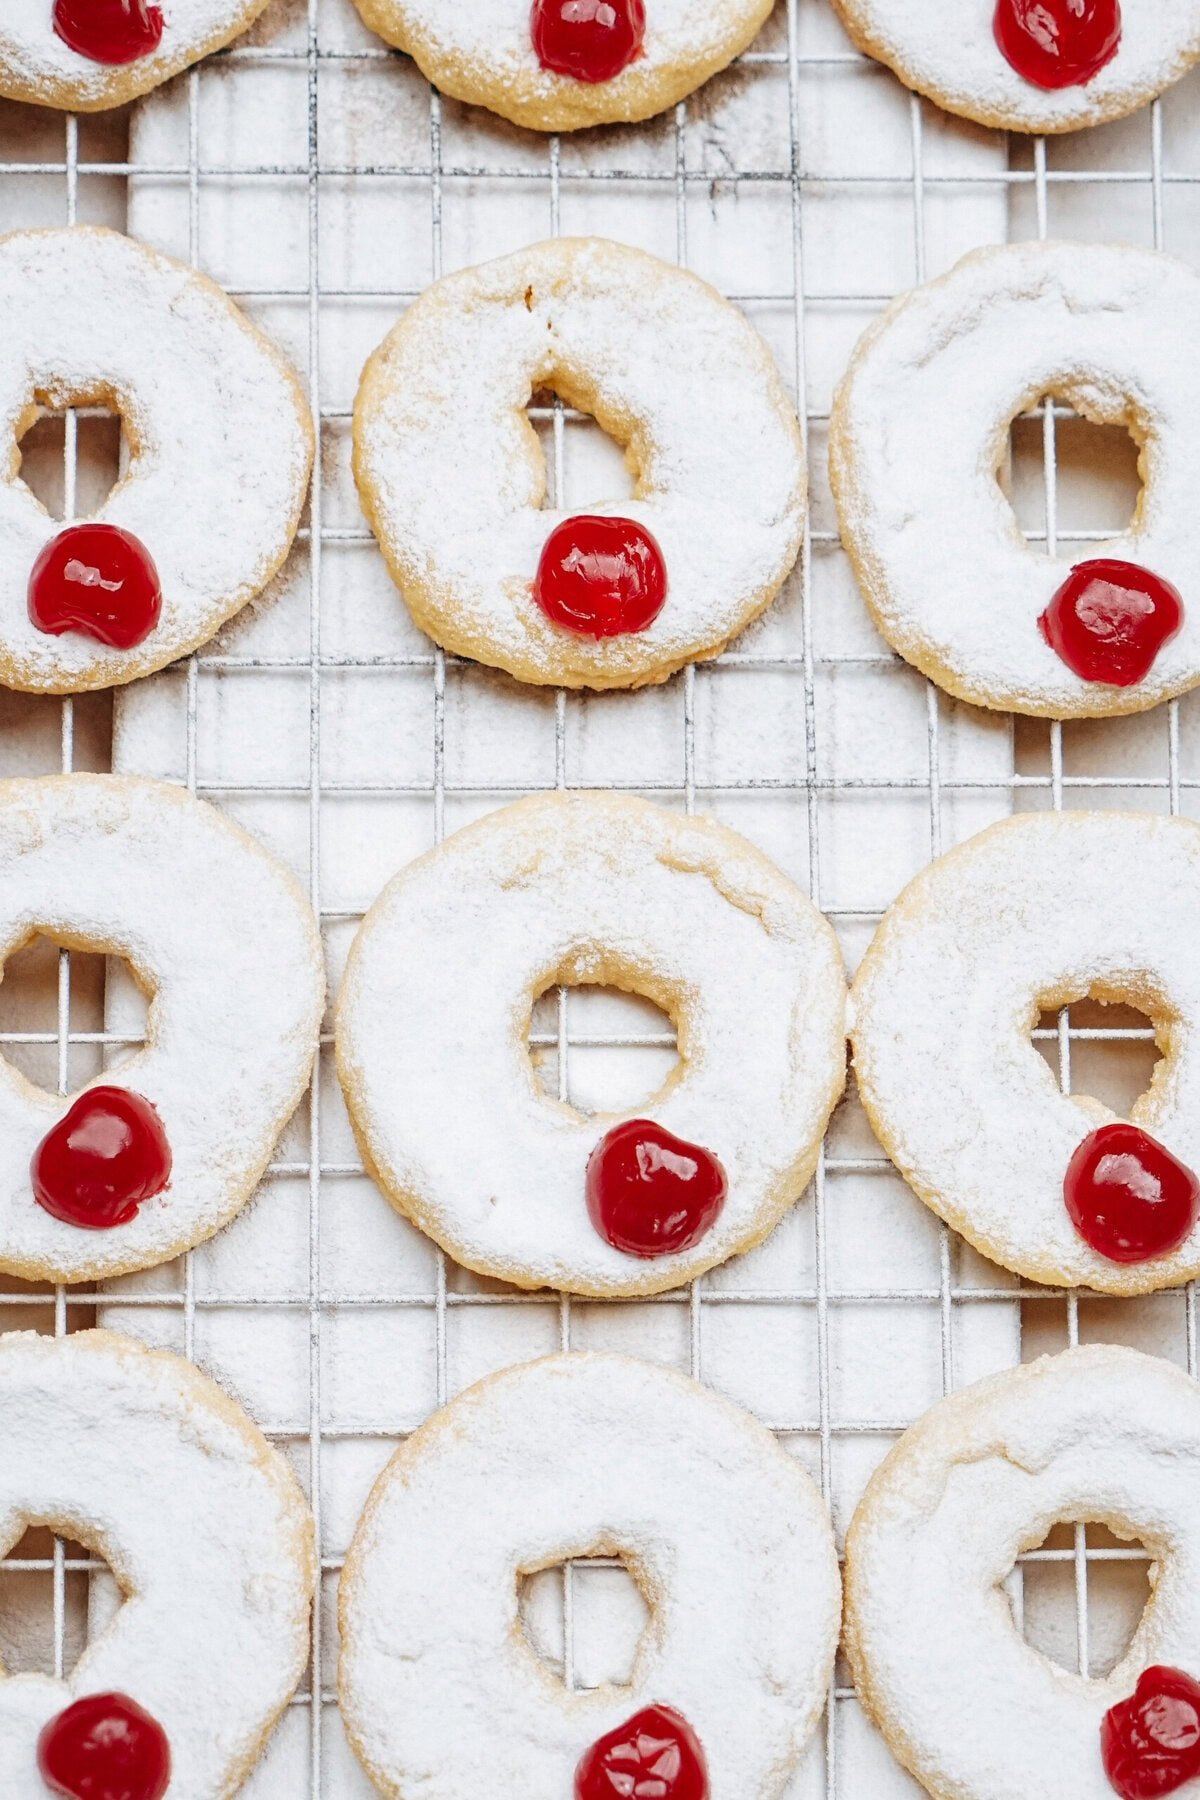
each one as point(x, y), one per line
point(135, 1454)
point(947, 50)
point(1099, 1434)
point(574, 1456)
point(218, 433)
point(434, 1013)
point(452, 477)
point(921, 428)
point(1036, 912)
point(222, 941)
point(484, 54)
point(39, 66)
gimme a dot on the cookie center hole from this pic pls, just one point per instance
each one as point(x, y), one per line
point(584, 465)
point(600, 1049)
point(1111, 1054)
point(584, 1620)
point(1096, 487)
point(1045, 1591)
point(36, 1637)
point(98, 454)
point(105, 1011)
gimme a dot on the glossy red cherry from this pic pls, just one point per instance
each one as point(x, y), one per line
point(650, 1193)
point(99, 580)
point(1128, 1197)
point(591, 40)
point(654, 1756)
point(601, 576)
point(1058, 43)
point(102, 1160)
point(1151, 1742)
point(108, 31)
point(106, 1747)
point(1109, 620)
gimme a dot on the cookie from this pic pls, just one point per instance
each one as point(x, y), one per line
point(920, 433)
point(220, 445)
point(574, 1456)
point(223, 943)
point(433, 1024)
point(135, 1454)
point(453, 480)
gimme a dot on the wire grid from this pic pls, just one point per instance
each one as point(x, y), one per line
point(1052, 784)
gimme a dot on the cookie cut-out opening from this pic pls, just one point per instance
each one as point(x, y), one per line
point(599, 1049)
point(1095, 485)
point(103, 1004)
point(585, 465)
point(37, 1634)
point(584, 1620)
point(99, 452)
point(1079, 1596)
point(1111, 1053)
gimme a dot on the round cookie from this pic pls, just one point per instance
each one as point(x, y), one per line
point(1034, 913)
point(585, 1455)
point(222, 941)
point(920, 430)
point(1100, 1434)
point(433, 1024)
point(947, 50)
point(484, 54)
point(452, 477)
point(137, 1455)
point(219, 436)
point(39, 66)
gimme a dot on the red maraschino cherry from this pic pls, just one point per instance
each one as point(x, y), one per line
point(590, 40)
point(1109, 620)
point(601, 576)
point(108, 31)
point(102, 1160)
point(654, 1756)
point(1128, 1197)
point(99, 580)
point(1151, 1742)
point(650, 1193)
point(105, 1747)
point(1058, 43)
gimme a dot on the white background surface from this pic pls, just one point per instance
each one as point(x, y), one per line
point(317, 178)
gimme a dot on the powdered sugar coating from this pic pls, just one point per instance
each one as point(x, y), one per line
point(947, 49)
point(579, 1455)
point(452, 476)
point(222, 939)
point(36, 65)
point(920, 429)
point(1099, 1434)
point(433, 1023)
point(143, 1459)
point(1035, 912)
point(219, 434)
point(484, 53)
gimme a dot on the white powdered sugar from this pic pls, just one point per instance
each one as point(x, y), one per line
point(921, 428)
point(36, 64)
point(947, 49)
point(220, 437)
point(144, 1460)
point(453, 477)
point(224, 943)
point(1035, 912)
point(433, 1022)
point(484, 52)
point(1099, 1433)
point(590, 1454)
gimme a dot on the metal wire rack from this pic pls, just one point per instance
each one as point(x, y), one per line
point(816, 1323)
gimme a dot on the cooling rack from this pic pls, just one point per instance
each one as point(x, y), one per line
point(314, 174)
